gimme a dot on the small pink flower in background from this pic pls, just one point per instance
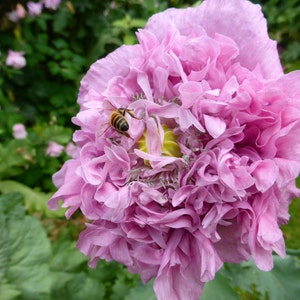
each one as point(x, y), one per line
point(17, 14)
point(12, 16)
point(52, 4)
point(20, 11)
point(19, 131)
point(113, 5)
point(70, 149)
point(54, 149)
point(206, 171)
point(15, 59)
point(34, 8)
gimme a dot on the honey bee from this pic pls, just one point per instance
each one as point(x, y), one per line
point(118, 119)
point(119, 122)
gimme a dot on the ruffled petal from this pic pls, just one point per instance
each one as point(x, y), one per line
point(241, 21)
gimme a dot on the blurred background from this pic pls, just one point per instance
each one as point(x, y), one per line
point(45, 49)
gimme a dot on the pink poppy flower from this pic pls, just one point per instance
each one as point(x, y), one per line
point(34, 8)
point(52, 4)
point(198, 165)
point(54, 149)
point(19, 131)
point(15, 59)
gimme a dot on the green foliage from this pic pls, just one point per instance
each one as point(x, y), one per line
point(283, 21)
point(34, 200)
point(291, 230)
point(220, 289)
point(71, 279)
point(246, 282)
point(38, 255)
point(24, 254)
point(141, 291)
point(25, 160)
point(33, 268)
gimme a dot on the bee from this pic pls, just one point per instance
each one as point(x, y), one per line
point(119, 122)
point(118, 119)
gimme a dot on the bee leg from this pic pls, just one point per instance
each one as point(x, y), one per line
point(127, 135)
point(130, 112)
point(124, 133)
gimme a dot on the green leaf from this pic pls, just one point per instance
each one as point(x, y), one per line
point(129, 39)
point(219, 289)
point(138, 23)
point(5, 248)
point(61, 20)
point(76, 286)
point(55, 133)
point(24, 255)
point(142, 291)
point(8, 291)
point(34, 200)
point(71, 277)
point(13, 157)
point(11, 204)
point(30, 252)
point(66, 257)
point(123, 284)
point(283, 282)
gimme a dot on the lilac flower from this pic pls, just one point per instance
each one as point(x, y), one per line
point(19, 131)
point(52, 4)
point(206, 171)
point(54, 149)
point(15, 59)
point(34, 8)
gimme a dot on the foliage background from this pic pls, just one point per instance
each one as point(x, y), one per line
point(38, 256)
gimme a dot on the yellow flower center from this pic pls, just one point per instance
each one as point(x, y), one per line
point(170, 146)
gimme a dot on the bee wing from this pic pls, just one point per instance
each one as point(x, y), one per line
point(102, 124)
point(103, 129)
point(108, 106)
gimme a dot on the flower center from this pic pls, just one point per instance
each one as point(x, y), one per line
point(160, 177)
point(170, 146)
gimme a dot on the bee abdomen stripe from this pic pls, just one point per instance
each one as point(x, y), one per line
point(119, 122)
